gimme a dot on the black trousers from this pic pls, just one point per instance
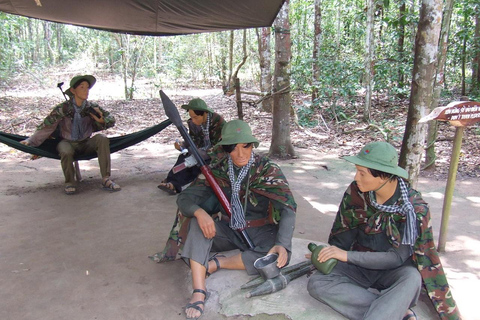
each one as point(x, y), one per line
point(183, 177)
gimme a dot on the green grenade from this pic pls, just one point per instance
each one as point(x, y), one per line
point(324, 267)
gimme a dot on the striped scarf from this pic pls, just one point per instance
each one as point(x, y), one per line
point(405, 209)
point(237, 220)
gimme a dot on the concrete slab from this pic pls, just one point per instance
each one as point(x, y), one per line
point(85, 256)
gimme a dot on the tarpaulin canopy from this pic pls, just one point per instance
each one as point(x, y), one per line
point(151, 17)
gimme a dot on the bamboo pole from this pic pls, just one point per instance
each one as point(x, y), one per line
point(452, 175)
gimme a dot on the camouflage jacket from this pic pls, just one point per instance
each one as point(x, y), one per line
point(269, 196)
point(356, 210)
point(62, 117)
point(215, 130)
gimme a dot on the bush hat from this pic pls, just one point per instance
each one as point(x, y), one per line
point(197, 104)
point(89, 78)
point(380, 156)
point(237, 131)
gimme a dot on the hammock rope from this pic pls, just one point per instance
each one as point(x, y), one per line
point(48, 148)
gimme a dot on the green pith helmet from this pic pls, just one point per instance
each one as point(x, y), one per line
point(380, 156)
point(89, 78)
point(197, 104)
point(237, 131)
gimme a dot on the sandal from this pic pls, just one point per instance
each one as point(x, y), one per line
point(110, 185)
point(168, 187)
point(410, 315)
point(196, 305)
point(70, 190)
point(214, 258)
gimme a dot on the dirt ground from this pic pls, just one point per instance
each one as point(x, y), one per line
point(85, 256)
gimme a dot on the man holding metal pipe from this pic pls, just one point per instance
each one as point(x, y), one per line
point(76, 119)
point(262, 205)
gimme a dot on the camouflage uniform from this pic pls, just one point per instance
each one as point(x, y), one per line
point(357, 218)
point(61, 119)
point(187, 175)
point(269, 195)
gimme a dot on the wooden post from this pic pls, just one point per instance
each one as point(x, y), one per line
point(238, 96)
point(452, 176)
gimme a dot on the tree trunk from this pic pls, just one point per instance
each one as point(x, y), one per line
point(59, 34)
point(281, 145)
point(369, 59)
point(338, 33)
point(401, 44)
point(476, 58)
point(228, 86)
point(47, 36)
point(430, 155)
point(317, 40)
point(264, 52)
point(423, 79)
point(466, 20)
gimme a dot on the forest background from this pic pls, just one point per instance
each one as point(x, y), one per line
point(330, 70)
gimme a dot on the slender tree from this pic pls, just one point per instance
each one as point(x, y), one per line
point(264, 53)
point(466, 21)
point(369, 59)
point(317, 40)
point(476, 54)
point(439, 81)
point(401, 43)
point(281, 145)
point(423, 79)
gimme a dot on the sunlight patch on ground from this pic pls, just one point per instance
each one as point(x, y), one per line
point(323, 207)
point(475, 223)
point(434, 195)
point(467, 244)
point(474, 199)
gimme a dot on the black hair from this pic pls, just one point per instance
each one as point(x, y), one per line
point(198, 112)
point(76, 84)
point(230, 147)
point(381, 174)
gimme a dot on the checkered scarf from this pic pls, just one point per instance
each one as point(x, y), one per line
point(237, 220)
point(406, 209)
point(206, 134)
point(77, 129)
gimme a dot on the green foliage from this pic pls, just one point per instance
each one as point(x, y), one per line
point(203, 58)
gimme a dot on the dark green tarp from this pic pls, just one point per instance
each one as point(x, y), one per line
point(151, 17)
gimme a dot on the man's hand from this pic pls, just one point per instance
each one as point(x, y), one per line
point(206, 223)
point(94, 117)
point(282, 255)
point(177, 145)
point(332, 252)
point(25, 142)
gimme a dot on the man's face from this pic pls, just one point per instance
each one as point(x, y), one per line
point(197, 120)
point(241, 154)
point(81, 92)
point(365, 181)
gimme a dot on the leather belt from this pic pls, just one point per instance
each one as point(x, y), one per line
point(258, 222)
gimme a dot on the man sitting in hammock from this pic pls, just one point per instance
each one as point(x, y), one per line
point(76, 120)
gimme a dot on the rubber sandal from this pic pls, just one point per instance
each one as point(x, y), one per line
point(411, 315)
point(110, 185)
point(70, 190)
point(196, 305)
point(164, 186)
point(214, 258)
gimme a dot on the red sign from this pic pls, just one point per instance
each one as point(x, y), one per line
point(458, 113)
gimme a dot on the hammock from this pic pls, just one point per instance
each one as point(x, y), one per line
point(49, 147)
